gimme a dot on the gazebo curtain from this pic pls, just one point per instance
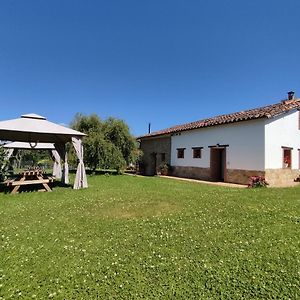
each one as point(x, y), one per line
point(61, 149)
point(9, 153)
point(80, 179)
point(57, 172)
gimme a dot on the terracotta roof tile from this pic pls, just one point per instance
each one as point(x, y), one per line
point(268, 111)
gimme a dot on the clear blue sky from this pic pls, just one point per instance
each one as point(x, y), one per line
point(166, 62)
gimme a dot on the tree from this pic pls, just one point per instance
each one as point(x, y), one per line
point(108, 144)
point(118, 133)
point(32, 158)
point(87, 124)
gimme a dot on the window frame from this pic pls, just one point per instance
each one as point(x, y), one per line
point(287, 162)
point(180, 150)
point(194, 152)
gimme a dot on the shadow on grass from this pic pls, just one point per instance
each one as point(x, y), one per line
point(101, 172)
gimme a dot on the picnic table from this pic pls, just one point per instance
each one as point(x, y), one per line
point(30, 178)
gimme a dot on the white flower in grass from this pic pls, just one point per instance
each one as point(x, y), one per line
point(51, 295)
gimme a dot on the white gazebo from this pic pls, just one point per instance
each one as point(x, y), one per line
point(36, 131)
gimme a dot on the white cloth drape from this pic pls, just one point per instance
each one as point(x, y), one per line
point(61, 149)
point(9, 153)
point(57, 172)
point(80, 179)
point(66, 169)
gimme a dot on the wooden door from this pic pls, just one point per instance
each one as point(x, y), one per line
point(217, 164)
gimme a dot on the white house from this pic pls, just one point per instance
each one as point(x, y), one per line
point(259, 142)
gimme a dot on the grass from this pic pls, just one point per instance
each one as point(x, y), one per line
point(150, 238)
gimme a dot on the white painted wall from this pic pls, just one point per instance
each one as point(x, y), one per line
point(282, 131)
point(245, 140)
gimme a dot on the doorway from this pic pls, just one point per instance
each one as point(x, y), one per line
point(218, 163)
point(153, 164)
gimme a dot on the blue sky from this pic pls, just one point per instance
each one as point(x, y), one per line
point(164, 62)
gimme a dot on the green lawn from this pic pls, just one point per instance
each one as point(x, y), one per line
point(150, 238)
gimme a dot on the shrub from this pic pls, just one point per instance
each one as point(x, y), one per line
point(164, 169)
point(257, 182)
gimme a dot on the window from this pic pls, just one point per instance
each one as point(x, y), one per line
point(197, 152)
point(163, 156)
point(180, 152)
point(287, 157)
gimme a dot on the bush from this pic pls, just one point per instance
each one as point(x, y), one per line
point(164, 169)
point(257, 182)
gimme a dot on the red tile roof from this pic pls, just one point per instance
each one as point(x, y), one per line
point(268, 111)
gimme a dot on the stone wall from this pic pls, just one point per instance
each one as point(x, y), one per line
point(281, 177)
point(153, 148)
point(274, 177)
point(241, 176)
point(191, 172)
point(231, 175)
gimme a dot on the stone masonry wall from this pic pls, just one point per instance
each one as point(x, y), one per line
point(232, 175)
point(152, 149)
point(275, 177)
point(241, 176)
point(191, 172)
point(281, 177)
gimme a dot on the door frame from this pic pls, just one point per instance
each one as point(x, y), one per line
point(218, 162)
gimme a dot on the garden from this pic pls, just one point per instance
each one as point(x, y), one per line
point(131, 237)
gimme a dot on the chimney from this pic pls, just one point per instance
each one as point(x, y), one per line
point(291, 95)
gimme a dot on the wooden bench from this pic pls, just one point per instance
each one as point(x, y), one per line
point(29, 178)
point(27, 182)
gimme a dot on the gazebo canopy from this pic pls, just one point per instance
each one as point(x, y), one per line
point(23, 145)
point(34, 129)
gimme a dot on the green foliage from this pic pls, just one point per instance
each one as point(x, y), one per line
point(129, 237)
point(87, 124)
point(257, 182)
point(114, 158)
point(164, 168)
point(108, 144)
point(33, 158)
point(117, 132)
point(22, 160)
point(100, 153)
